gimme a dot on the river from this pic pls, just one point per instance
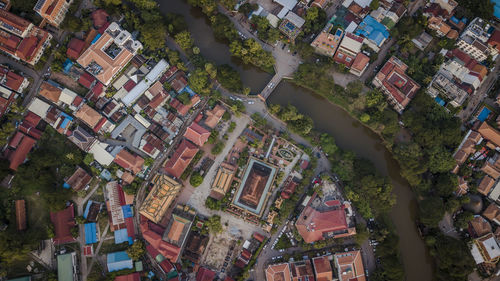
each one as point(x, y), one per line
point(348, 133)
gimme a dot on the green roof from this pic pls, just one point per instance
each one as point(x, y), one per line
point(138, 266)
point(65, 267)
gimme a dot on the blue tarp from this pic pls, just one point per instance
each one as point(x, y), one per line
point(484, 114)
point(65, 185)
point(66, 120)
point(121, 236)
point(118, 261)
point(90, 233)
point(127, 211)
point(67, 65)
point(188, 90)
point(87, 209)
point(373, 30)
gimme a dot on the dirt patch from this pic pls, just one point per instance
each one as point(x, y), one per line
point(219, 247)
point(68, 82)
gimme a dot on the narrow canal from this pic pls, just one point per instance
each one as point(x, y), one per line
point(348, 133)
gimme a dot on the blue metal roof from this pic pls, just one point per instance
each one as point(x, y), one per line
point(118, 261)
point(87, 209)
point(121, 236)
point(127, 211)
point(496, 8)
point(373, 30)
point(90, 233)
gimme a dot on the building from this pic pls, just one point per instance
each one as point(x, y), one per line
point(490, 134)
point(442, 29)
point(80, 179)
point(159, 199)
point(348, 49)
point(91, 118)
point(474, 38)
point(114, 202)
point(195, 246)
point(12, 80)
point(222, 181)
point(485, 249)
point(75, 48)
point(118, 261)
point(395, 84)
point(90, 230)
point(479, 226)
point(52, 11)
point(20, 215)
point(492, 213)
point(197, 134)
point(63, 222)
point(129, 161)
point(178, 227)
point(326, 42)
point(485, 185)
point(322, 268)
point(214, 116)
point(66, 267)
point(82, 139)
point(360, 64)
point(205, 274)
point(129, 277)
point(373, 31)
point(422, 41)
point(152, 76)
point(302, 270)
point(278, 272)
point(181, 158)
point(255, 187)
point(291, 25)
point(350, 266)
point(110, 53)
point(21, 39)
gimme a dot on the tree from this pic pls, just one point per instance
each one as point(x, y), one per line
point(229, 4)
point(196, 179)
point(328, 144)
point(214, 225)
point(79, 219)
point(365, 117)
point(75, 232)
point(198, 81)
point(229, 78)
point(247, 8)
point(136, 250)
point(211, 70)
point(431, 211)
point(184, 40)
point(374, 4)
point(212, 204)
point(217, 149)
point(354, 88)
point(175, 23)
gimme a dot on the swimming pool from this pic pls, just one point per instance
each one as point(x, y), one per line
point(484, 114)
point(440, 101)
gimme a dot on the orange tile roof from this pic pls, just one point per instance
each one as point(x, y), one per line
point(63, 222)
point(492, 213)
point(489, 133)
point(322, 268)
point(53, 11)
point(128, 161)
point(9, 19)
point(360, 62)
point(50, 92)
point(110, 67)
point(181, 158)
point(79, 179)
point(480, 226)
point(19, 155)
point(350, 266)
point(197, 134)
point(485, 185)
point(89, 116)
point(214, 116)
point(278, 272)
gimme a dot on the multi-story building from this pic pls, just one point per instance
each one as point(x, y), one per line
point(348, 49)
point(395, 84)
point(326, 42)
point(21, 39)
point(52, 11)
point(110, 53)
point(474, 38)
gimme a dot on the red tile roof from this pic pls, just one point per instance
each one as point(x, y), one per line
point(86, 80)
point(75, 48)
point(17, 157)
point(205, 274)
point(99, 18)
point(494, 40)
point(181, 158)
point(129, 277)
point(129, 85)
point(63, 222)
point(197, 134)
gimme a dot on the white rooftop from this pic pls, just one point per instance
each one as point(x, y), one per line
point(295, 19)
point(288, 4)
point(39, 107)
point(145, 83)
point(103, 157)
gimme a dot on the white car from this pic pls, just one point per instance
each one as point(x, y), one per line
point(251, 102)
